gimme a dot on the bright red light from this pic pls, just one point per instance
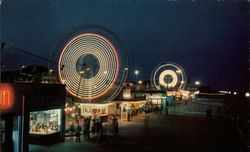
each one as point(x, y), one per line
point(6, 96)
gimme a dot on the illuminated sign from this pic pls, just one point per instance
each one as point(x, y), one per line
point(6, 96)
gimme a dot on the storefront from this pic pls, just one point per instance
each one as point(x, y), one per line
point(157, 99)
point(130, 108)
point(75, 113)
point(31, 114)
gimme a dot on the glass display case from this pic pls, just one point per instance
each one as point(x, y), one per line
point(45, 122)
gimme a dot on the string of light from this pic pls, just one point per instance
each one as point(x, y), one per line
point(107, 58)
point(175, 71)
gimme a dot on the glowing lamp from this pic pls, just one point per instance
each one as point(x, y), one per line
point(6, 96)
point(247, 94)
point(197, 83)
point(136, 72)
point(140, 81)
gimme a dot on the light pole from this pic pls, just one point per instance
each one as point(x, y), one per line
point(1, 48)
point(197, 84)
point(136, 73)
point(20, 74)
point(51, 75)
point(247, 94)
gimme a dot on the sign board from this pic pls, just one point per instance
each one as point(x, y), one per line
point(35, 96)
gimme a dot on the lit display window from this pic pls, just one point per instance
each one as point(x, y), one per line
point(45, 122)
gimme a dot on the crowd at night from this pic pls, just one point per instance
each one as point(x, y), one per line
point(128, 75)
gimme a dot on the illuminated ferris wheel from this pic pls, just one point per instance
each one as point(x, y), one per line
point(168, 75)
point(92, 64)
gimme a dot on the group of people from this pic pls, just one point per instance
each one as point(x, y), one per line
point(93, 126)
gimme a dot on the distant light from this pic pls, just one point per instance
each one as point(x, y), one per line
point(197, 82)
point(126, 69)
point(51, 70)
point(235, 93)
point(140, 81)
point(23, 66)
point(225, 92)
point(247, 94)
point(137, 72)
point(229, 92)
point(81, 72)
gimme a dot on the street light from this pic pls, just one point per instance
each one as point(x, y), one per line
point(20, 74)
point(140, 81)
point(197, 83)
point(137, 72)
point(247, 94)
point(235, 93)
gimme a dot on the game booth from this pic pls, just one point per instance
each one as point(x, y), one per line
point(31, 114)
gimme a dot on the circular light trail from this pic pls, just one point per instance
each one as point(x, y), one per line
point(168, 75)
point(165, 76)
point(89, 66)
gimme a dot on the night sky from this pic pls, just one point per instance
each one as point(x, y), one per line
point(208, 39)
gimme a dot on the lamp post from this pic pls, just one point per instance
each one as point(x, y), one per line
point(136, 74)
point(1, 48)
point(247, 94)
point(197, 84)
point(20, 74)
point(51, 75)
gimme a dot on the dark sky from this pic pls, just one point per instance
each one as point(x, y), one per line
point(208, 39)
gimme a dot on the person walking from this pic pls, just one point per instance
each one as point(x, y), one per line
point(87, 128)
point(93, 127)
point(72, 131)
point(78, 132)
point(115, 126)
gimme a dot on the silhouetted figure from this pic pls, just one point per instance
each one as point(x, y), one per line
point(99, 132)
point(167, 105)
point(86, 128)
point(93, 126)
point(209, 112)
point(78, 130)
point(115, 126)
point(71, 131)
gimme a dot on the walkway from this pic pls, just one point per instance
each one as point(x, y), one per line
point(180, 130)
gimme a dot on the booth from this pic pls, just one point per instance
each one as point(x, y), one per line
point(130, 108)
point(31, 114)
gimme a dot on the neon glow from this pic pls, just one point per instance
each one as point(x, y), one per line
point(169, 75)
point(6, 96)
point(106, 56)
point(167, 84)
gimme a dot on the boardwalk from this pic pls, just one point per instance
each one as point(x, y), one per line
point(181, 130)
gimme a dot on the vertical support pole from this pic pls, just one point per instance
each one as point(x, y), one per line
point(9, 146)
point(25, 127)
